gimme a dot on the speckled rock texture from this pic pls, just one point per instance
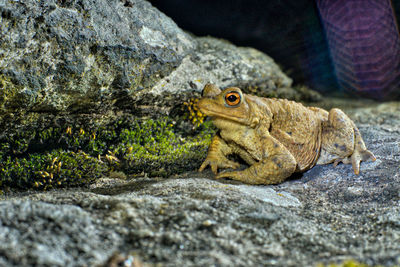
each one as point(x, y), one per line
point(79, 62)
point(86, 56)
point(63, 55)
point(326, 214)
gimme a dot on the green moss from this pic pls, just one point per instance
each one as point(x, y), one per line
point(68, 155)
point(155, 144)
point(49, 170)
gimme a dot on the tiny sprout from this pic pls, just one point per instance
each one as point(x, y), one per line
point(112, 158)
point(69, 130)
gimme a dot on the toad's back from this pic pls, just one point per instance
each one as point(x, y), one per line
point(298, 128)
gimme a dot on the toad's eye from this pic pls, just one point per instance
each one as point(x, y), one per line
point(232, 98)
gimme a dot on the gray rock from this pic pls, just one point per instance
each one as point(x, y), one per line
point(221, 63)
point(37, 233)
point(84, 54)
point(92, 55)
point(324, 215)
point(269, 195)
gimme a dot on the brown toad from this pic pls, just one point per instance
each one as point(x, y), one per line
point(276, 137)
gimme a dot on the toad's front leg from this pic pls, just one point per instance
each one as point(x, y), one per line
point(278, 165)
point(216, 157)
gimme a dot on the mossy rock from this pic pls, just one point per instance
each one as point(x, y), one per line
point(50, 170)
point(41, 157)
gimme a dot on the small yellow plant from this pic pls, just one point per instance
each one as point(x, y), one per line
point(348, 263)
point(48, 175)
point(195, 115)
point(111, 157)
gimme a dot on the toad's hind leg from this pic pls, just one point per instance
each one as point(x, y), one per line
point(359, 154)
point(342, 142)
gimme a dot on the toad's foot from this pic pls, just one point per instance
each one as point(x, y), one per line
point(216, 163)
point(272, 170)
point(216, 157)
point(356, 158)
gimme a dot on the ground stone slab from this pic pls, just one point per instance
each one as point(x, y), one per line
point(38, 233)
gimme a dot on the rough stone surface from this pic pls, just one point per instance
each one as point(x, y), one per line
point(324, 215)
point(83, 56)
point(37, 233)
point(219, 62)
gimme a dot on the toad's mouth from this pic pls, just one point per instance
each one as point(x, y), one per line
point(214, 110)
